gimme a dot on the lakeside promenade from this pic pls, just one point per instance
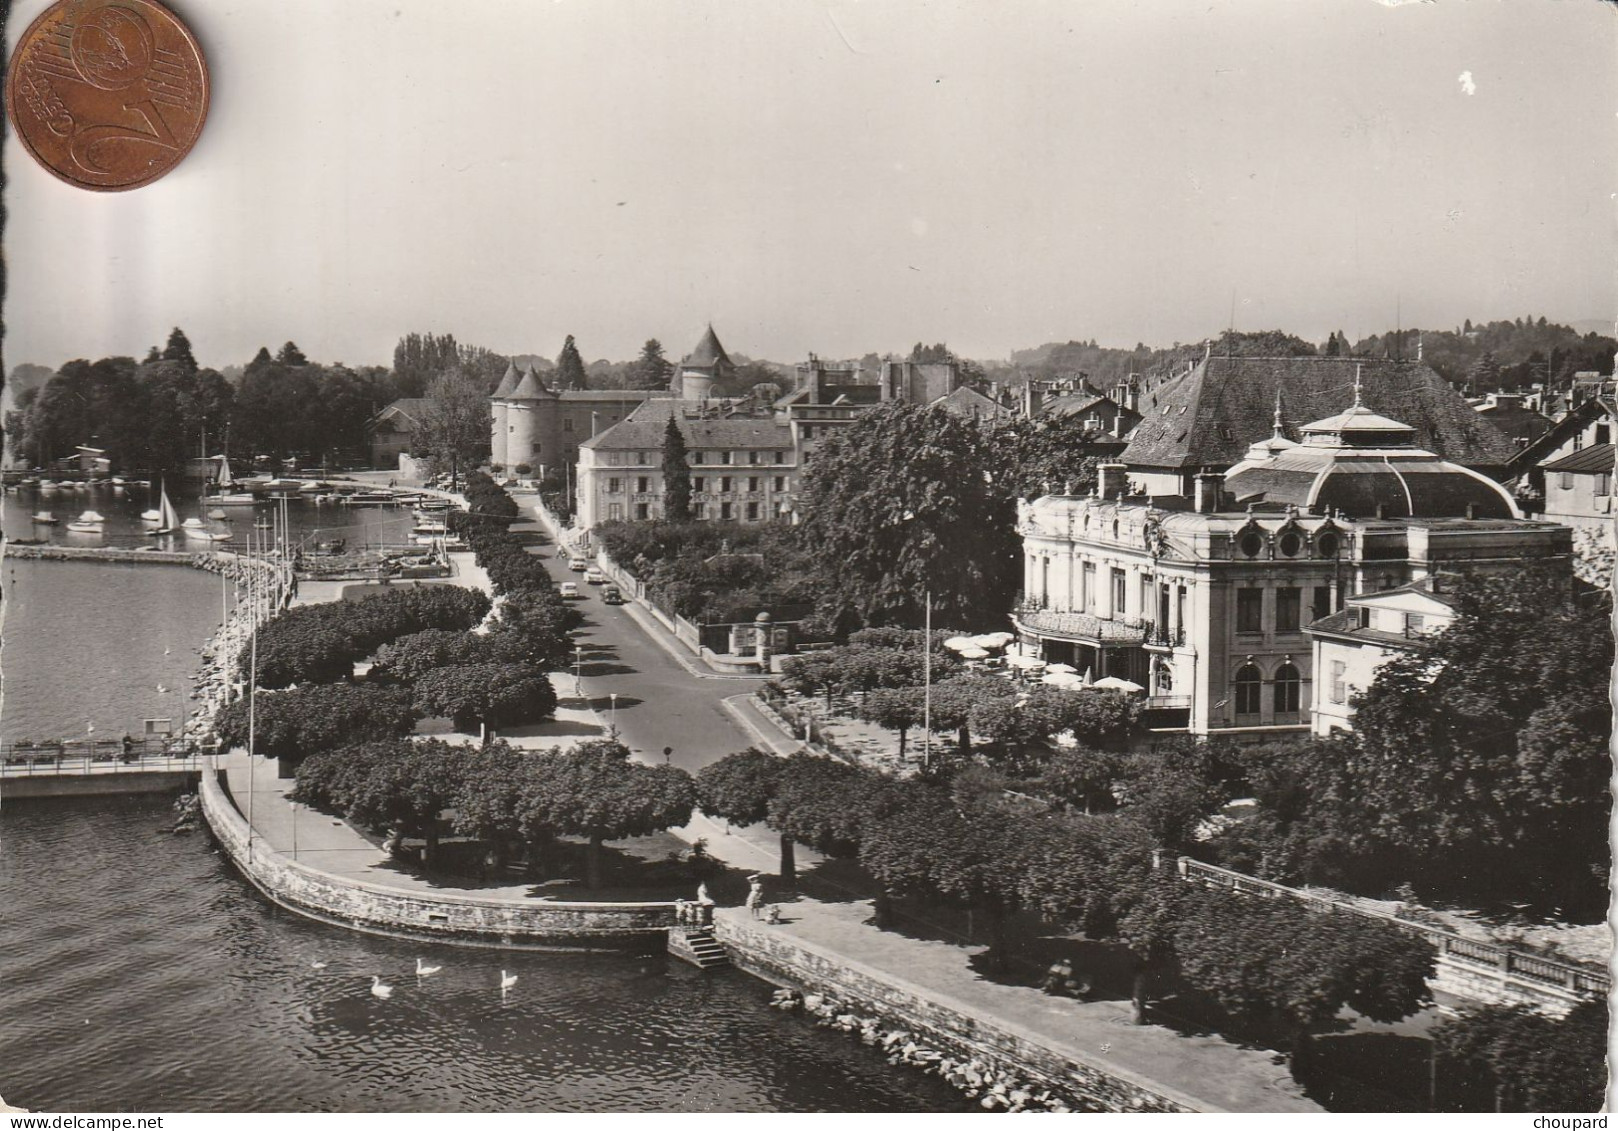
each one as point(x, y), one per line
point(1200, 1072)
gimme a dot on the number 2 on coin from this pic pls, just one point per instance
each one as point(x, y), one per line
point(157, 133)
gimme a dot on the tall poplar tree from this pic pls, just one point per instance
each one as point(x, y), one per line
point(676, 475)
point(569, 366)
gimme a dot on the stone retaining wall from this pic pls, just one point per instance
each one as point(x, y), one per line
point(467, 920)
point(23, 787)
point(787, 961)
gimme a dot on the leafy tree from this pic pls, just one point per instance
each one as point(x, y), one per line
point(418, 358)
point(290, 354)
point(405, 785)
point(738, 788)
point(822, 803)
point(676, 475)
point(1167, 798)
point(927, 845)
point(569, 366)
point(1038, 457)
point(1535, 1063)
point(896, 708)
point(1082, 778)
point(494, 694)
point(1491, 743)
point(652, 369)
point(178, 350)
point(453, 425)
point(291, 725)
point(488, 803)
point(1275, 958)
point(596, 792)
point(410, 657)
point(898, 505)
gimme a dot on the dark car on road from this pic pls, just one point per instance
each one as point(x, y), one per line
point(612, 595)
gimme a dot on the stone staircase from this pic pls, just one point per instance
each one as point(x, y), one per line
point(697, 946)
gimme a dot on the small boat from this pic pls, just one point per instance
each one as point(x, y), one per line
point(202, 533)
point(151, 516)
point(312, 487)
point(168, 519)
point(234, 499)
point(45, 518)
point(218, 513)
point(47, 485)
point(117, 481)
point(92, 518)
point(87, 523)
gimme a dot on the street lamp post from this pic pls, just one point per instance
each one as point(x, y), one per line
point(578, 663)
point(612, 724)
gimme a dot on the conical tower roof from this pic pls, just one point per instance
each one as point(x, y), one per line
point(508, 382)
point(530, 388)
point(708, 352)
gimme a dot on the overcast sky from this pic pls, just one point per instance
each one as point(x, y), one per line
point(839, 178)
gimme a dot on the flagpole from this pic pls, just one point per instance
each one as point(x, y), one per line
point(252, 688)
point(927, 682)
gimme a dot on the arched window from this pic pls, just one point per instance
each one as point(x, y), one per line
point(1288, 685)
point(1249, 684)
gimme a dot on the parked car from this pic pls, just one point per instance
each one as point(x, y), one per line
point(570, 591)
point(612, 595)
point(594, 577)
point(577, 565)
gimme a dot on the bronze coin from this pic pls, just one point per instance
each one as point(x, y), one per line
point(107, 95)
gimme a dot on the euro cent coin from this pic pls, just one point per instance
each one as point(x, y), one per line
point(107, 95)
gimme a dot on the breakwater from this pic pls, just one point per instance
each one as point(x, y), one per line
point(458, 919)
point(121, 554)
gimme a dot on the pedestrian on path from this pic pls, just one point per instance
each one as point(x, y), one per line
point(755, 894)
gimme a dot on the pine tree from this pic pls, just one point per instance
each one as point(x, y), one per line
point(676, 475)
point(569, 366)
point(1333, 346)
point(260, 360)
point(179, 350)
point(290, 354)
point(652, 369)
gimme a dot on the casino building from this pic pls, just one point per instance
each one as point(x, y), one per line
point(1205, 596)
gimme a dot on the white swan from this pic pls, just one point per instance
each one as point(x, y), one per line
point(422, 969)
point(379, 988)
point(507, 980)
point(317, 964)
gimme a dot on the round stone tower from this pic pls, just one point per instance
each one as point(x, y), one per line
point(498, 412)
point(702, 368)
point(522, 432)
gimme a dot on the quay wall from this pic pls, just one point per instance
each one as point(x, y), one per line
point(942, 1023)
point(463, 920)
point(33, 786)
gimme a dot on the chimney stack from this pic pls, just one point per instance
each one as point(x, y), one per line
point(1033, 398)
point(1110, 479)
point(1210, 486)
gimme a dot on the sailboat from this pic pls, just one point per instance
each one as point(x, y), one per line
point(168, 519)
point(224, 482)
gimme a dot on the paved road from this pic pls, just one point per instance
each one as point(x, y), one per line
point(659, 703)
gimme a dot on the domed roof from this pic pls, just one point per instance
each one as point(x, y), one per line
point(1365, 465)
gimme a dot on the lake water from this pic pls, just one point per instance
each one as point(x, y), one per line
point(139, 972)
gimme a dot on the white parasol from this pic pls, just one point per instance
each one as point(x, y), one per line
point(1061, 679)
point(971, 653)
point(1113, 683)
point(956, 643)
point(1062, 669)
